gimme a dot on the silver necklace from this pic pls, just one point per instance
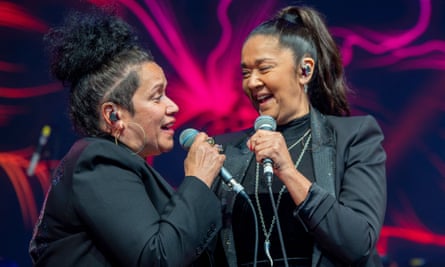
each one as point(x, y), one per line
point(266, 233)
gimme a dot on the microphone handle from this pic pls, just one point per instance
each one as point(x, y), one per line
point(268, 170)
point(228, 179)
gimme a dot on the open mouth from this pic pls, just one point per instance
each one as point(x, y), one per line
point(167, 126)
point(263, 98)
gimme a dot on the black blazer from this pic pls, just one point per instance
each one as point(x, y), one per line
point(345, 208)
point(108, 207)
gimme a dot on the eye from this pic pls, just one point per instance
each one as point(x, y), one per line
point(157, 94)
point(245, 73)
point(265, 68)
point(157, 97)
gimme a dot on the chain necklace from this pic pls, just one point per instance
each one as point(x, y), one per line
point(266, 233)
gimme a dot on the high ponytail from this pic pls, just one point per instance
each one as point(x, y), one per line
point(303, 30)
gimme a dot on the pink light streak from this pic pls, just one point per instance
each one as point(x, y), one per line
point(397, 46)
point(7, 112)
point(392, 49)
point(11, 67)
point(14, 16)
point(413, 235)
point(30, 91)
point(14, 164)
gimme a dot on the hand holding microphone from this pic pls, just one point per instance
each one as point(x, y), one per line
point(266, 123)
point(190, 136)
point(203, 159)
point(269, 147)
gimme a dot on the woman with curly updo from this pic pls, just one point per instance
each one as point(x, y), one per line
point(106, 206)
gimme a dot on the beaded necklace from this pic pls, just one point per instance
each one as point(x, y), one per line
point(266, 233)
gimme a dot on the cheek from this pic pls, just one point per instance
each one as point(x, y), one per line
point(149, 122)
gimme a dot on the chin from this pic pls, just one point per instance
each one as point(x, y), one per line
point(166, 148)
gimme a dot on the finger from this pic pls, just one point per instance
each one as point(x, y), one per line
point(252, 142)
point(219, 148)
point(249, 144)
point(200, 137)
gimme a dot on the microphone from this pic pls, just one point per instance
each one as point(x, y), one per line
point(186, 139)
point(44, 135)
point(267, 123)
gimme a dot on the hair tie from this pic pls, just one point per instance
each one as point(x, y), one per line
point(290, 18)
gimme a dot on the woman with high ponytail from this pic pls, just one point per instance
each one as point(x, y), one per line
point(106, 206)
point(329, 183)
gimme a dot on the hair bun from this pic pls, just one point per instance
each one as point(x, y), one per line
point(85, 42)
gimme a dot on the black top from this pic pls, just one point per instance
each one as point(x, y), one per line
point(297, 241)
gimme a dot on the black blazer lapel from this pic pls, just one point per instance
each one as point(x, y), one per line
point(323, 152)
point(238, 155)
point(238, 159)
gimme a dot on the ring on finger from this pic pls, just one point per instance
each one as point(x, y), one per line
point(211, 141)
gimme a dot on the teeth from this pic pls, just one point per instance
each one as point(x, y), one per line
point(261, 97)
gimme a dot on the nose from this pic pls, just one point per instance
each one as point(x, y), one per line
point(254, 81)
point(172, 108)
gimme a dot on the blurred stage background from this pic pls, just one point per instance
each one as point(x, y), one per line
point(394, 53)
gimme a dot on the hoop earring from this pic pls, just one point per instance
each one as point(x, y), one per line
point(144, 137)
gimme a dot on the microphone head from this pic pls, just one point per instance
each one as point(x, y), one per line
point(187, 138)
point(265, 122)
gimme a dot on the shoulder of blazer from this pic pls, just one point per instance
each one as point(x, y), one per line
point(98, 147)
point(326, 127)
point(350, 126)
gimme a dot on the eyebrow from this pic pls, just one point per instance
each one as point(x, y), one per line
point(257, 62)
point(157, 87)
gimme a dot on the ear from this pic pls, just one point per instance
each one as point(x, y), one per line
point(109, 113)
point(306, 69)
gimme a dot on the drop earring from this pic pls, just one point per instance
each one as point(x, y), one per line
point(118, 134)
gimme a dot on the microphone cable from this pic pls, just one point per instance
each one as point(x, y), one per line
point(255, 220)
point(186, 139)
point(280, 234)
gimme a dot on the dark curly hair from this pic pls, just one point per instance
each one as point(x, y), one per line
point(97, 56)
point(303, 30)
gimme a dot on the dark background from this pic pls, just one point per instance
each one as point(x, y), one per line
point(393, 51)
